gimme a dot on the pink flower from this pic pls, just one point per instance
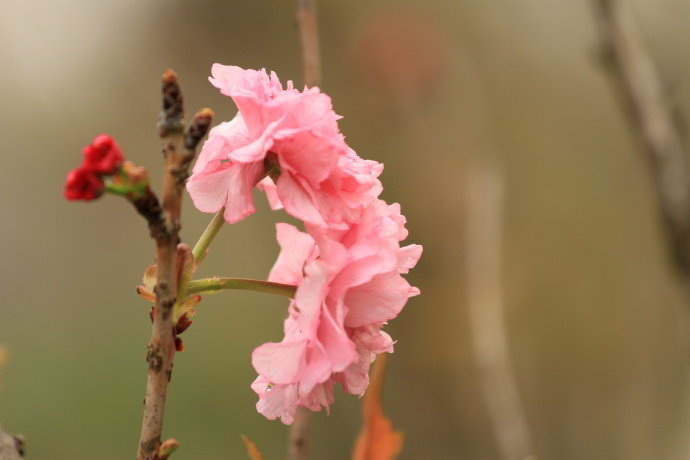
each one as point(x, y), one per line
point(347, 267)
point(217, 181)
point(349, 286)
point(336, 201)
point(320, 181)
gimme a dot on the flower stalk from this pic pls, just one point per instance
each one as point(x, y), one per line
point(215, 285)
point(201, 247)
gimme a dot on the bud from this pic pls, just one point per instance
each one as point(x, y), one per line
point(102, 156)
point(183, 323)
point(166, 448)
point(135, 175)
point(83, 184)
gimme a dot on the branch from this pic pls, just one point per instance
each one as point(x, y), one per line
point(179, 150)
point(642, 91)
point(148, 206)
point(298, 437)
point(309, 37)
point(11, 447)
point(485, 309)
point(196, 131)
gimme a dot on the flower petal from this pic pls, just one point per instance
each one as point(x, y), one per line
point(377, 301)
point(297, 201)
point(269, 188)
point(295, 249)
point(280, 362)
point(307, 153)
point(209, 191)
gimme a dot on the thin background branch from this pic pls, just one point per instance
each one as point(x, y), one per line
point(298, 437)
point(641, 89)
point(486, 313)
point(11, 447)
point(645, 102)
point(309, 37)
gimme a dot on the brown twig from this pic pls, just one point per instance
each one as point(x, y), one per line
point(11, 447)
point(298, 437)
point(148, 206)
point(179, 150)
point(485, 309)
point(642, 90)
point(196, 131)
point(309, 37)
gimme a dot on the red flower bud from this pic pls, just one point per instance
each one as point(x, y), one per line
point(102, 156)
point(82, 184)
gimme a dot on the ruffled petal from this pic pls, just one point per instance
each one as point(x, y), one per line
point(269, 188)
point(276, 400)
point(222, 139)
point(280, 362)
point(309, 298)
point(340, 349)
point(256, 149)
point(297, 200)
point(209, 191)
point(408, 257)
point(377, 301)
point(307, 154)
point(240, 203)
point(295, 248)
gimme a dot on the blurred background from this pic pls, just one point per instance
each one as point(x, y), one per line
point(597, 322)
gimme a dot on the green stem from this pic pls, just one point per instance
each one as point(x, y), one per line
point(215, 285)
point(201, 246)
point(116, 189)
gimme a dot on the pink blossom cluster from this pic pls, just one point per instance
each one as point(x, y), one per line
point(347, 266)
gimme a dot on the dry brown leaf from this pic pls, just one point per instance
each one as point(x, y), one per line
point(377, 440)
point(149, 283)
point(252, 450)
point(3, 360)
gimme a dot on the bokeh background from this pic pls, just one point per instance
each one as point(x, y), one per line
point(596, 318)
